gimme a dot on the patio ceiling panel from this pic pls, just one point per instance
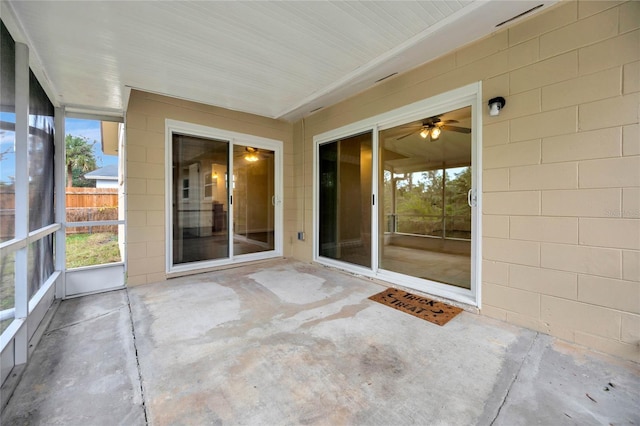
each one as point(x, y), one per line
point(275, 59)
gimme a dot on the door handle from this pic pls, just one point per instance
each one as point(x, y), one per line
point(471, 198)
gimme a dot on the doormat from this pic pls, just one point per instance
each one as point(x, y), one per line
point(421, 307)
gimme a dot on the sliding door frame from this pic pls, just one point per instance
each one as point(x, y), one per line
point(470, 95)
point(232, 138)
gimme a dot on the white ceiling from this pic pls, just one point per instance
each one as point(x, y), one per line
point(271, 58)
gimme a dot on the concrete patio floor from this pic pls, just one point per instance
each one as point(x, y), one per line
point(288, 343)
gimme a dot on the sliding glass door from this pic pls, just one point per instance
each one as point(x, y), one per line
point(224, 198)
point(398, 202)
point(425, 218)
point(254, 200)
point(200, 199)
point(345, 179)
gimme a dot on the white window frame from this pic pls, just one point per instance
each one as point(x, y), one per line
point(469, 95)
point(29, 312)
point(233, 138)
point(91, 279)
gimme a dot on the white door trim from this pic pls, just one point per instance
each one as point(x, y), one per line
point(469, 95)
point(233, 138)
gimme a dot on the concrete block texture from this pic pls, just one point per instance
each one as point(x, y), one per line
point(545, 72)
point(602, 143)
point(578, 316)
point(524, 54)
point(544, 176)
point(557, 17)
point(513, 154)
point(612, 293)
point(544, 281)
point(631, 139)
point(512, 203)
point(619, 50)
point(610, 232)
point(629, 16)
point(581, 33)
point(547, 229)
point(598, 261)
point(610, 173)
point(630, 203)
point(587, 88)
point(512, 251)
point(581, 202)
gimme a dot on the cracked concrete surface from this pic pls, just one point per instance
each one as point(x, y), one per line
point(288, 343)
point(83, 371)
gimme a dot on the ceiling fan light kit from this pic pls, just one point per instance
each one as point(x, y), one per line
point(495, 105)
point(251, 155)
point(433, 127)
point(433, 131)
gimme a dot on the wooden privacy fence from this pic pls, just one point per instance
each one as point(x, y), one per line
point(92, 197)
point(91, 204)
point(7, 213)
point(83, 204)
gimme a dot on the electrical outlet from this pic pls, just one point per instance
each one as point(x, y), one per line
point(301, 236)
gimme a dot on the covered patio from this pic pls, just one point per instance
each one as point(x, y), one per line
point(245, 346)
point(281, 162)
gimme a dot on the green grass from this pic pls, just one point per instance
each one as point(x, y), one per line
point(92, 249)
point(7, 282)
point(82, 250)
point(7, 287)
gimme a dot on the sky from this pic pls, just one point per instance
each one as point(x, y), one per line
point(76, 127)
point(91, 130)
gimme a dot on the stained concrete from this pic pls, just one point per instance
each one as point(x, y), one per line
point(562, 384)
point(287, 343)
point(84, 370)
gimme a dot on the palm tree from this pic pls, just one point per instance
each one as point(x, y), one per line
point(79, 156)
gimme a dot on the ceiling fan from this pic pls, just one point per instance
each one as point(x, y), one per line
point(251, 154)
point(432, 127)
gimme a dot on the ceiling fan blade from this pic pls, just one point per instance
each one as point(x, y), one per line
point(406, 136)
point(450, 121)
point(456, 129)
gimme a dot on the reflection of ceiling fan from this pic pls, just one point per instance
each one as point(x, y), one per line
point(251, 154)
point(432, 127)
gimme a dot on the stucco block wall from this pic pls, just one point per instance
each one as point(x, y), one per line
point(145, 167)
point(561, 168)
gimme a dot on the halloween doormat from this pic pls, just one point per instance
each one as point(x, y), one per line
point(421, 307)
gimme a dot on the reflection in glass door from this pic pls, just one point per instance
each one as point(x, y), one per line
point(223, 197)
point(199, 199)
point(345, 198)
point(253, 199)
point(425, 217)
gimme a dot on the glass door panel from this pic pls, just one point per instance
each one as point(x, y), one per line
point(345, 179)
point(200, 197)
point(457, 215)
point(253, 200)
point(425, 219)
